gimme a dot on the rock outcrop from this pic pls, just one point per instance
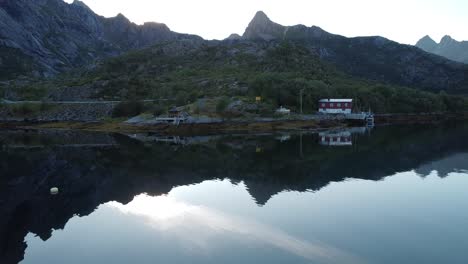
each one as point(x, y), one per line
point(448, 48)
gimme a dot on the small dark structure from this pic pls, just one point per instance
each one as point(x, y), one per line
point(175, 112)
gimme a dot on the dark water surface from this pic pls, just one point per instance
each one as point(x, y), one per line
point(390, 195)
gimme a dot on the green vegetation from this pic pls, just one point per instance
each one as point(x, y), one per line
point(27, 109)
point(222, 105)
point(275, 71)
point(158, 110)
point(128, 109)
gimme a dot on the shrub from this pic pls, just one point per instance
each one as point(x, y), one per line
point(158, 110)
point(128, 109)
point(25, 109)
point(222, 105)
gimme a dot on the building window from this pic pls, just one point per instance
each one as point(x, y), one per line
point(323, 105)
point(339, 105)
point(332, 105)
point(346, 104)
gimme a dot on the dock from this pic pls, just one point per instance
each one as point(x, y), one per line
point(368, 117)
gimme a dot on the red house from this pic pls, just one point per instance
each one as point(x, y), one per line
point(335, 106)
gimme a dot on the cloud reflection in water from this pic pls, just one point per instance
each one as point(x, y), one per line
point(198, 227)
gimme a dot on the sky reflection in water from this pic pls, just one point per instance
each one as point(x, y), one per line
point(401, 219)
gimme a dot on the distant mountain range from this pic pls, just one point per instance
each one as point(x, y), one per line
point(448, 48)
point(373, 58)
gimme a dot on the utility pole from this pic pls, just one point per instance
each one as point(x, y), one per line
point(300, 95)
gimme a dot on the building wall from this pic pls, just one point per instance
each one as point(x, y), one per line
point(334, 111)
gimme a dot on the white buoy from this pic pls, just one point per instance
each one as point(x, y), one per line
point(54, 191)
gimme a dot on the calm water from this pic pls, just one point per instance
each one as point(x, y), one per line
point(390, 195)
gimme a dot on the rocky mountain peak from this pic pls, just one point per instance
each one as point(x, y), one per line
point(234, 37)
point(428, 39)
point(446, 40)
point(80, 4)
point(262, 28)
point(121, 17)
point(426, 44)
point(261, 18)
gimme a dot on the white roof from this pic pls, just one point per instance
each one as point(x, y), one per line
point(336, 101)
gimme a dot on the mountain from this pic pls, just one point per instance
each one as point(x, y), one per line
point(46, 37)
point(427, 44)
point(188, 74)
point(269, 60)
point(262, 28)
point(234, 37)
point(448, 48)
point(374, 58)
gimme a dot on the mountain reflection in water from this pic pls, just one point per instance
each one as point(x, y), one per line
point(130, 173)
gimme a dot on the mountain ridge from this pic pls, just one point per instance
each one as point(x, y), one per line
point(77, 37)
point(54, 36)
point(374, 57)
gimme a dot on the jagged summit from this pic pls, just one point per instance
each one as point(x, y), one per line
point(447, 47)
point(446, 39)
point(80, 3)
point(262, 28)
point(427, 43)
point(427, 38)
point(261, 18)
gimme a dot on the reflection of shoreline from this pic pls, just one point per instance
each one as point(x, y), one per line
point(175, 140)
point(280, 136)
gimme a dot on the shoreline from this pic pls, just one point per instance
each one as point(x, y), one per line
point(182, 129)
point(225, 127)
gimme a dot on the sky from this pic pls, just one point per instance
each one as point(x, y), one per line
point(404, 21)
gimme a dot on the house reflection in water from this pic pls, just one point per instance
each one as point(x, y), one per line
point(342, 137)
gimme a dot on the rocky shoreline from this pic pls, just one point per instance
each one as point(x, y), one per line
point(182, 129)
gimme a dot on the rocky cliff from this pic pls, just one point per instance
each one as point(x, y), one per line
point(46, 37)
point(448, 48)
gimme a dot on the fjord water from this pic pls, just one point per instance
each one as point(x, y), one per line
point(389, 195)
